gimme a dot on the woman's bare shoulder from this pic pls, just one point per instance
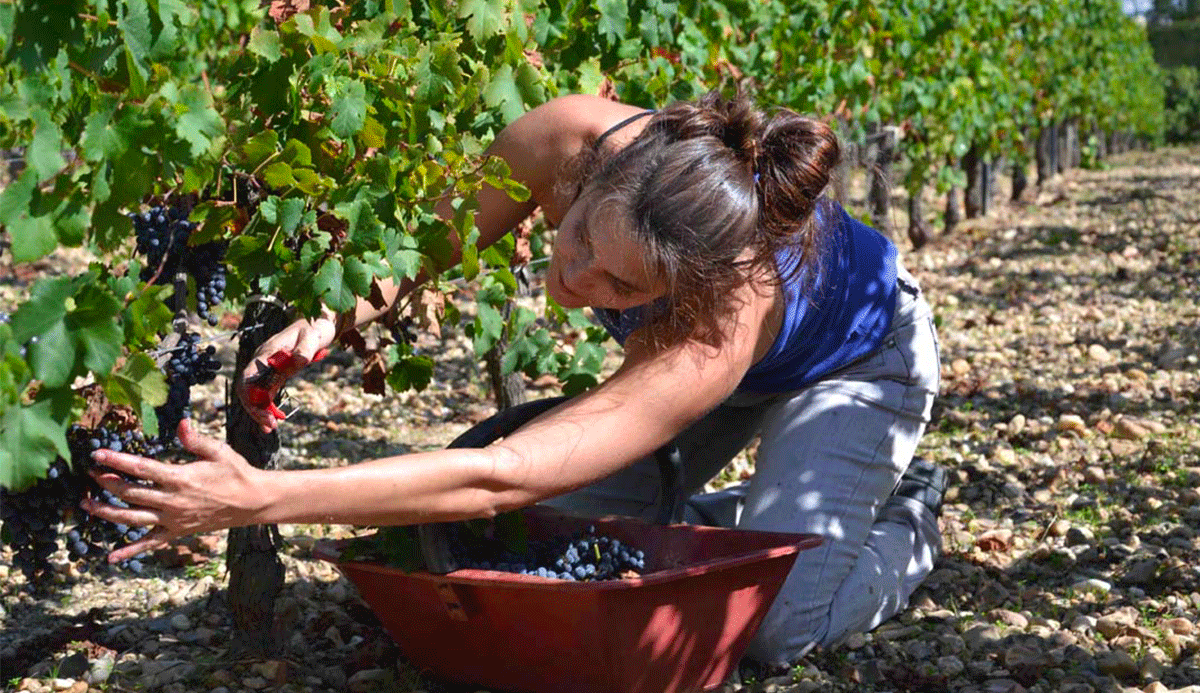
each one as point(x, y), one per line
point(583, 115)
point(538, 143)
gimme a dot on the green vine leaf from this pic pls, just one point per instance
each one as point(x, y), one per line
point(47, 305)
point(53, 356)
point(297, 154)
point(93, 323)
point(279, 175)
point(33, 436)
point(33, 237)
point(349, 110)
point(259, 148)
point(484, 17)
point(16, 197)
point(265, 44)
point(102, 139)
point(357, 276)
point(504, 93)
point(411, 373)
point(199, 123)
point(614, 16)
point(330, 284)
point(134, 23)
point(138, 383)
point(489, 328)
point(45, 152)
point(402, 255)
point(146, 316)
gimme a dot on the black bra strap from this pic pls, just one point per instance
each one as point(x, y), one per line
point(618, 126)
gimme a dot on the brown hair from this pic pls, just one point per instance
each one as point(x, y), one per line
point(704, 181)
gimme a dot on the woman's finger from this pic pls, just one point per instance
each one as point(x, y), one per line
point(157, 538)
point(130, 492)
point(316, 335)
point(121, 516)
point(133, 465)
point(308, 343)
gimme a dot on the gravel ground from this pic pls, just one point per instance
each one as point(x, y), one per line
point(1070, 328)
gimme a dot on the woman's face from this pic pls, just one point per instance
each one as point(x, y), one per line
point(597, 262)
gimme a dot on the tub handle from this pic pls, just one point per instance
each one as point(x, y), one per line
point(453, 602)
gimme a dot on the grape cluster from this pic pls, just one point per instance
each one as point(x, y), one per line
point(32, 516)
point(586, 557)
point(162, 237)
point(208, 267)
point(187, 366)
point(89, 538)
point(93, 537)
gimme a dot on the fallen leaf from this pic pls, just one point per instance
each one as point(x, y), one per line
point(995, 540)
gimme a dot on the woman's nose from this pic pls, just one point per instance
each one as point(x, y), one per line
point(579, 277)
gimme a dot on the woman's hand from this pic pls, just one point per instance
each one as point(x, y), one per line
point(302, 340)
point(218, 491)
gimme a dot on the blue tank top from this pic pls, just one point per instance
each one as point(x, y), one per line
point(844, 316)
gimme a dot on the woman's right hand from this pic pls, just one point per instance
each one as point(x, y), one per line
point(301, 340)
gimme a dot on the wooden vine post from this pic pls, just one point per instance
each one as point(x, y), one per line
point(255, 571)
point(1062, 154)
point(953, 212)
point(918, 229)
point(1100, 142)
point(991, 167)
point(1055, 158)
point(851, 157)
point(1020, 180)
point(1074, 155)
point(975, 195)
point(879, 198)
point(1046, 150)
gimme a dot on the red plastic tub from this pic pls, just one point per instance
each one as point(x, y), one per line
point(682, 626)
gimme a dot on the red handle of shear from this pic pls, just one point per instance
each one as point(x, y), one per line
point(280, 366)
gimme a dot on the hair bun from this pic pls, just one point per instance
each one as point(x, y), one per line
point(741, 126)
point(734, 122)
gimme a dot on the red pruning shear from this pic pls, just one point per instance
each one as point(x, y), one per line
point(280, 366)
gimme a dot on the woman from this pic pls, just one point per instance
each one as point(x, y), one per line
point(747, 305)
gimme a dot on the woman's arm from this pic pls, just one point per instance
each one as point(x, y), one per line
point(534, 146)
point(652, 397)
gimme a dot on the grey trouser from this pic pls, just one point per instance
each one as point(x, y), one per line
point(829, 456)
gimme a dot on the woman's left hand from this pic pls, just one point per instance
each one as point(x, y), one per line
point(217, 491)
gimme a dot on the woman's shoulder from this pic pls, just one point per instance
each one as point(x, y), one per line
point(571, 120)
point(538, 143)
